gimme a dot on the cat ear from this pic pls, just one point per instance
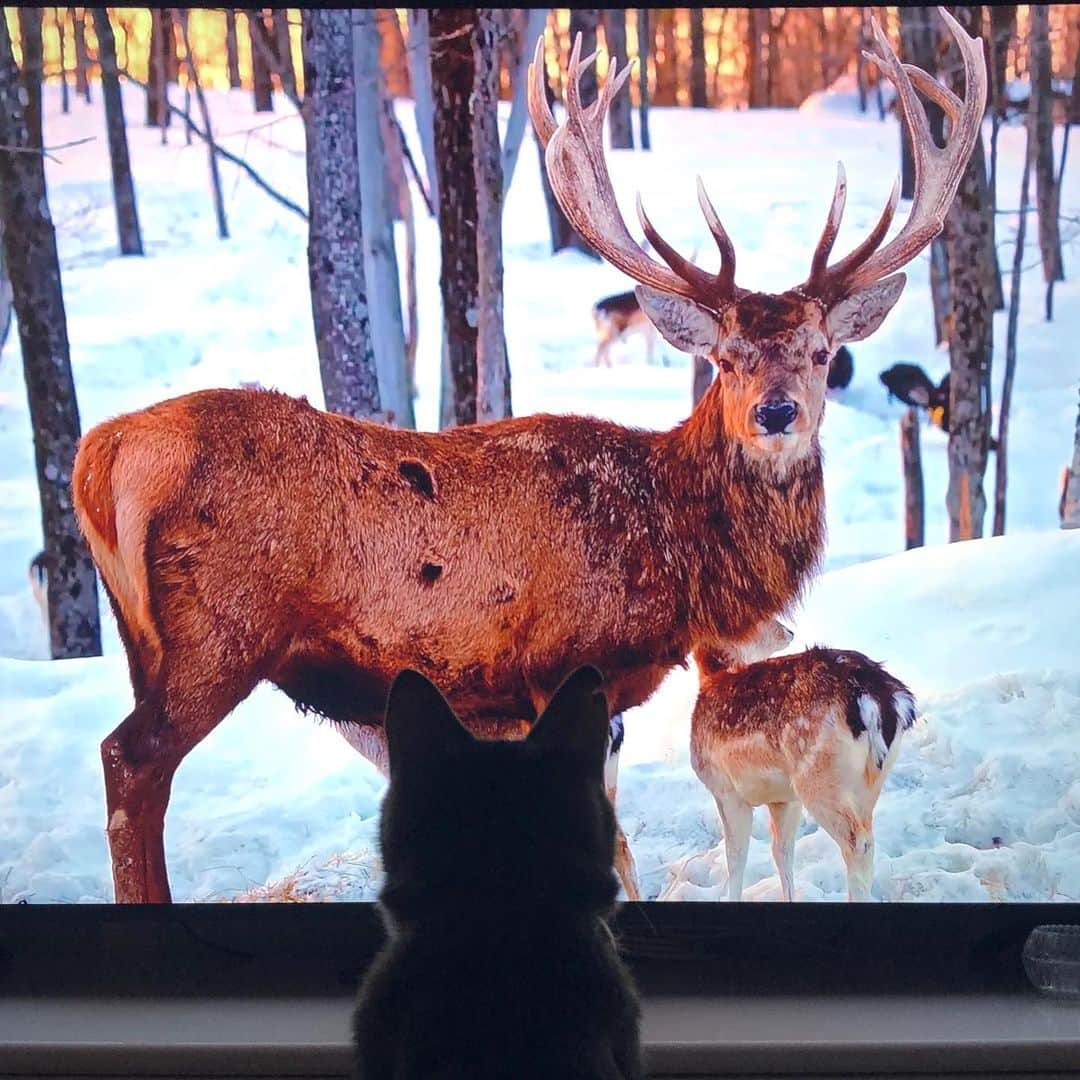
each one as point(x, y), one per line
point(420, 725)
point(576, 721)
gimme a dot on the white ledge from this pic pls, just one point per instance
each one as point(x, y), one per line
point(683, 1036)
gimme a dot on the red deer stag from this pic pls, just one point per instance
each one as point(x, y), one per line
point(244, 535)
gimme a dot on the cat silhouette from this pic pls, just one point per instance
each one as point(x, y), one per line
point(499, 963)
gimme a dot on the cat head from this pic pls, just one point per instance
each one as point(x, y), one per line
point(469, 823)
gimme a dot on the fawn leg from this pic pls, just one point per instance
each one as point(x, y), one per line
point(738, 818)
point(784, 820)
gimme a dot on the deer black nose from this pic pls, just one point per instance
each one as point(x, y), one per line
point(775, 415)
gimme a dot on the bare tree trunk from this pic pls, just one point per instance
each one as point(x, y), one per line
point(864, 42)
point(452, 73)
point(971, 342)
point(32, 70)
point(914, 501)
point(698, 91)
point(232, 54)
point(645, 49)
point(65, 100)
point(1001, 469)
point(200, 97)
point(620, 127)
point(82, 83)
point(491, 388)
point(1069, 510)
point(261, 75)
point(283, 53)
point(335, 240)
point(127, 216)
point(158, 113)
point(1041, 106)
point(703, 377)
point(757, 58)
point(29, 242)
point(380, 254)
point(1002, 26)
point(515, 125)
point(662, 46)
point(939, 289)
point(584, 21)
point(419, 54)
point(174, 14)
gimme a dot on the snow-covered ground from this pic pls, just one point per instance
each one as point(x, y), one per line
point(984, 802)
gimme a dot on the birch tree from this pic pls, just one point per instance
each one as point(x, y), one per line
point(492, 381)
point(971, 340)
point(377, 209)
point(1040, 105)
point(33, 264)
point(452, 76)
point(335, 240)
point(127, 215)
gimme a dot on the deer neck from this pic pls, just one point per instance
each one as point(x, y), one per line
point(760, 527)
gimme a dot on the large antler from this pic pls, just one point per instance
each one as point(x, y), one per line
point(937, 171)
point(574, 158)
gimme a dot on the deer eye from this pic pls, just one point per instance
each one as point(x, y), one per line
point(821, 357)
point(726, 365)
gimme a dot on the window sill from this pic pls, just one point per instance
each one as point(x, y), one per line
point(684, 1036)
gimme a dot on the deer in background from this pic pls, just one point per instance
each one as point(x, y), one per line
point(615, 319)
point(243, 535)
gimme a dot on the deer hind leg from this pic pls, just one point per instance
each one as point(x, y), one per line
point(784, 818)
point(140, 759)
point(853, 833)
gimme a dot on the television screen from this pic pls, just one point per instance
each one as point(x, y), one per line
point(817, 525)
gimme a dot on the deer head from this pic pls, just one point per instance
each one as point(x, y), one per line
point(772, 350)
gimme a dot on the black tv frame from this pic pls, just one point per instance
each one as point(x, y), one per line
point(673, 947)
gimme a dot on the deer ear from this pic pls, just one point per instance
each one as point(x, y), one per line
point(684, 323)
point(859, 315)
point(576, 721)
point(420, 725)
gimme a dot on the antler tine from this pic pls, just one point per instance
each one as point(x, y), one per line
point(577, 170)
point(877, 233)
point(832, 227)
point(940, 95)
point(938, 170)
point(726, 277)
point(705, 282)
point(542, 117)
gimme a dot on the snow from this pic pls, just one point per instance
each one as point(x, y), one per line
point(984, 802)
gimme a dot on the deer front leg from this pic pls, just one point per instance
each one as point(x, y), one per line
point(142, 755)
point(738, 818)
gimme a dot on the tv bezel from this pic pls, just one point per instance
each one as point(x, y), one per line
point(321, 949)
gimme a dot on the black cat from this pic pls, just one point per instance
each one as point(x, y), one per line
point(498, 860)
